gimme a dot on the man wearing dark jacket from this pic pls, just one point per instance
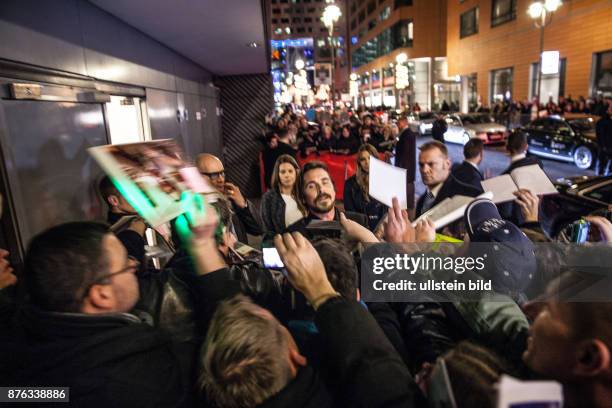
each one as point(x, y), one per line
point(405, 157)
point(603, 130)
point(516, 145)
point(244, 219)
point(468, 171)
point(239, 369)
point(77, 330)
point(434, 166)
point(319, 195)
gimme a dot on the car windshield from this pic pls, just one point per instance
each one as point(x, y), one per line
point(584, 124)
point(426, 115)
point(474, 119)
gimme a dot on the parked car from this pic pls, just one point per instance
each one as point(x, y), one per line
point(463, 127)
point(421, 122)
point(553, 137)
point(578, 197)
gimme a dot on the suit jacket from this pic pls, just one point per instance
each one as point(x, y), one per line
point(301, 225)
point(468, 174)
point(405, 157)
point(527, 161)
point(451, 187)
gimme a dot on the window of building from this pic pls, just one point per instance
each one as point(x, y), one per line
point(397, 36)
point(381, 2)
point(273, 1)
point(353, 7)
point(385, 13)
point(312, 10)
point(371, 6)
point(285, 20)
point(274, 21)
point(602, 77)
point(284, 1)
point(469, 23)
point(372, 24)
point(300, 29)
point(402, 3)
point(298, 10)
point(276, 11)
point(296, 20)
point(362, 15)
point(353, 24)
point(502, 11)
point(402, 34)
point(387, 72)
point(362, 32)
point(501, 85)
point(310, 29)
point(308, 19)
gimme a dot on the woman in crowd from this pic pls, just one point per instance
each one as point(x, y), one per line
point(347, 144)
point(326, 139)
point(356, 189)
point(281, 206)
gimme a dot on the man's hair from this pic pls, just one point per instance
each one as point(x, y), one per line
point(434, 144)
point(282, 133)
point(62, 262)
point(107, 188)
point(473, 372)
point(312, 165)
point(339, 266)
point(244, 356)
point(517, 141)
point(473, 148)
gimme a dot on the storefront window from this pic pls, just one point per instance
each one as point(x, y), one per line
point(501, 85)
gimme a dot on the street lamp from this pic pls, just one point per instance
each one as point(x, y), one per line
point(331, 14)
point(541, 13)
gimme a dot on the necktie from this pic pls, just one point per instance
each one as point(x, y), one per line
point(428, 201)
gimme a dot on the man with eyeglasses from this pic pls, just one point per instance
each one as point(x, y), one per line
point(243, 219)
point(79, 329)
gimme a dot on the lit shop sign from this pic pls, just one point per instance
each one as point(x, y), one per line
point(550, 62)
point(296, 43)
point(401, 76)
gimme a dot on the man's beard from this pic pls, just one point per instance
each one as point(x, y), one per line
point(319, 206)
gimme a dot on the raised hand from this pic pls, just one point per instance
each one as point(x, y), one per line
point(305, 269)
point(398, 228)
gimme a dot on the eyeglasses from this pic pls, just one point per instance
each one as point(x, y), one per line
point(132, 267)
point(214, 175)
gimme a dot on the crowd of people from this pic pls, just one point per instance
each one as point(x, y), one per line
point(216, 325)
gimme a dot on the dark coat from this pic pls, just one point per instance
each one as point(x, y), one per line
point(468, 174)
point(245, 221)
point(362, 368)
point(354, 201)
point(107, 361)
point(405, 157)
point(301, 225)
point(603, 131)
point(273, 214)
point(439, 127)
point(511, 211)
point(450, 188)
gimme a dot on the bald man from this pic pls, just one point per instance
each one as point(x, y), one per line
point(243, 219)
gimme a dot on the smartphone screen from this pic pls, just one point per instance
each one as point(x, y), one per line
point(272, 259)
